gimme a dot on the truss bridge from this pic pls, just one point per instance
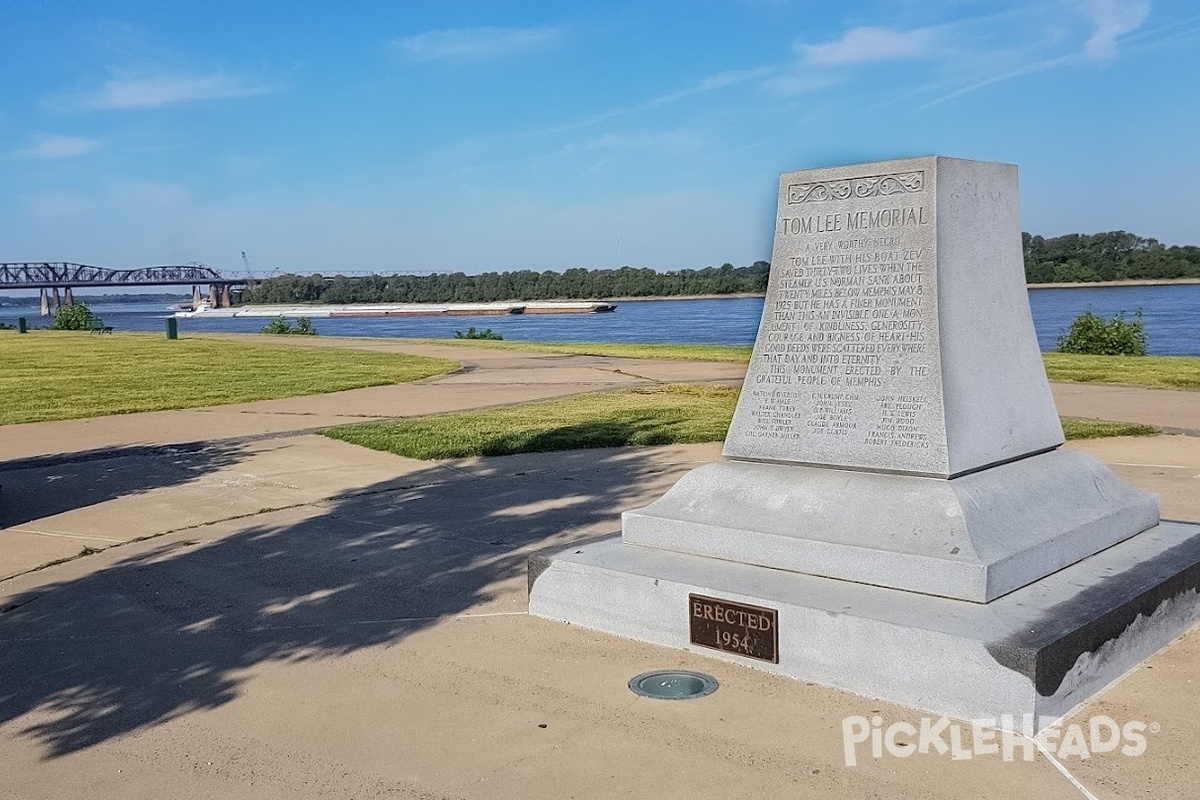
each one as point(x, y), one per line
point(51, 277)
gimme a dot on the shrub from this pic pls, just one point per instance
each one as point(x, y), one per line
point(277, 325)
point(75, 317)
point(472, 333)
point(304, 327)
point(1091, 335)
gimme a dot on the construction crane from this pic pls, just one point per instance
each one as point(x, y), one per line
point(250, 274)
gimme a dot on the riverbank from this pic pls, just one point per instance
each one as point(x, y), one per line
point(1169, 313)
point(1064, 285)
point(653, 298)
point(1126, 282)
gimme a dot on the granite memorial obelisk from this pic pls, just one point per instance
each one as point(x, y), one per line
point(894, 504)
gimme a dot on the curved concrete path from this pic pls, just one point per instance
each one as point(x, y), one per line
point(1171, 410)
point(289, 616)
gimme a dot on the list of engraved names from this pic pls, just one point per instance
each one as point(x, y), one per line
point(846, 337)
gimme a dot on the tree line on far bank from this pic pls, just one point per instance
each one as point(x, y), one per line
point(457, 287)
point(1074, 258)
point(1112, 256)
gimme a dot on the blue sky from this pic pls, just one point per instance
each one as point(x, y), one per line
point(509, 135)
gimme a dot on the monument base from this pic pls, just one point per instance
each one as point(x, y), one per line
point(1040, 650)
point(974, 537)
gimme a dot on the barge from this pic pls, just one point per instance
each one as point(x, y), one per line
point(406, 309)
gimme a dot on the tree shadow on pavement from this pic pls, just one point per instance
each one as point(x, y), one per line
point(180, 626)
point(36, 488)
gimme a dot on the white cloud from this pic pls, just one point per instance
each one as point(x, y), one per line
point(711, 83)
point(868, 44)
point(1109, 19)
point(729, 78)
point(160, 91)
point(800, 81)
point(674, 142)
point(1028, 69)
point(817, 65)
point(474, 44)
point(53, 146)
point(1112, 19)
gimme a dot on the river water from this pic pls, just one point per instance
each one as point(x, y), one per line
point(1171, 314)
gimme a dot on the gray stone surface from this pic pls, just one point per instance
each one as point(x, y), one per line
point(1041, 650)
point(975, 537)
point(896, 426)
point(896, 334)
point(893, 486)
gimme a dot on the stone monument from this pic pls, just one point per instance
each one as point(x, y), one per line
point(894, 515)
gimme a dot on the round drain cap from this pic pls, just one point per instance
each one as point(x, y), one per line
point(672, 684)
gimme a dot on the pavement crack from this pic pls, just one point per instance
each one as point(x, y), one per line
point(269, 413)
point(616, 371)
point(1180, 431)
point(14, 606)
point(240, 629)
point(88, 551)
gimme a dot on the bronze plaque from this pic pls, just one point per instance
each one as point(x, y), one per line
point(749, 631)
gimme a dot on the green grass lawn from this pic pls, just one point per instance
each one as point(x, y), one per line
point(1076, 428)
point(49, 375)
point(1151, 372)
point(673, 414)
point(655, 415)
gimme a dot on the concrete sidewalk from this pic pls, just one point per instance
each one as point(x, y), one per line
point(1172, 410)
point(291, 616)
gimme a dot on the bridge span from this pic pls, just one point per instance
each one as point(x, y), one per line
point(50, 277)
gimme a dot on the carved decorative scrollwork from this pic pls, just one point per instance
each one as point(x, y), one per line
point(870, 186)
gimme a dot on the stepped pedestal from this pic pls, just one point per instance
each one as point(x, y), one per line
point(893, 515)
